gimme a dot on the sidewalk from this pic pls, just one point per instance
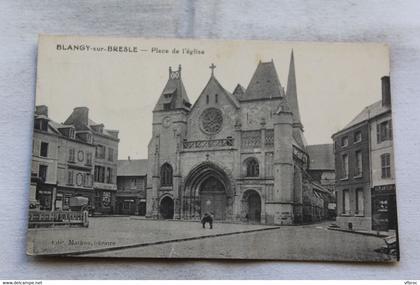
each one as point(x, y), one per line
point(382, 234)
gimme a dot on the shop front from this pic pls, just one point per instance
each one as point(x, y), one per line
point(131, 205)
point(45, 196)
point(384, 208)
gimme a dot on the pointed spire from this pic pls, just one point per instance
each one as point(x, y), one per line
point(291, 93)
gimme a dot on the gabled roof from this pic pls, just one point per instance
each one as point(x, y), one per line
point(264, 83)
point(367, 113)
point(174, 93)
point(214, 83)
point(132, 167)
point(321, 157)
point(239, 91)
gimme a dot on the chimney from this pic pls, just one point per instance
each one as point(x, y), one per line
point(41, 110)
point(81, 115)
point(386, 91)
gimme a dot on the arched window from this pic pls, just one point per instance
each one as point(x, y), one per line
point(166, 175)
point(252, 168)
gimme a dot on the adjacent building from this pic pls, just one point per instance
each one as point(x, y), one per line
point(240, 155)
point(64, 162)
point(131, 187)
point(365, 184)
point(44, 162)
point(384, 211)
point(322, 171)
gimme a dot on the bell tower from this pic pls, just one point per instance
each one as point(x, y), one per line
point(169, 130)
point(281, 207)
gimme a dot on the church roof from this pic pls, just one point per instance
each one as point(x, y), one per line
point(321, 156)
point(174, 93)
point(214, 83)
point(239, 91)
point(264, 83)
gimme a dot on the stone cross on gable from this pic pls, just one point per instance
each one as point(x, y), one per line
point(212, 67)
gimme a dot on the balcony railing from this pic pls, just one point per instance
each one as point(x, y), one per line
point(227, 142)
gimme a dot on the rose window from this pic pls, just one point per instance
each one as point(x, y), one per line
point(211, 121)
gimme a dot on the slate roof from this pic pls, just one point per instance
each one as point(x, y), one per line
point(367, 113)
point(174, 93)
point(80, 119)
point(132, 167)
point(239, 91)
point(264, 83)
point(321, 157)
point(214, 86)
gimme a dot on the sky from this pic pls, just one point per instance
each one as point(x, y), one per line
point(335, 81)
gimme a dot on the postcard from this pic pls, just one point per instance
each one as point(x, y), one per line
point(214, 149)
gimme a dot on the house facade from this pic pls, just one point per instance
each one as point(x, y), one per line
point(384, 206)
point(365, 186)
point(353, 176)
point(63, 161)
point(131, 187)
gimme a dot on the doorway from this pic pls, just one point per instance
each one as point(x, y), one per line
point(213, 198)
point(251, 204)
point(166, 208)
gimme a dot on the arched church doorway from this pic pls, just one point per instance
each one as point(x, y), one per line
point(166, 208)
point(251, 204)
point(213, 198)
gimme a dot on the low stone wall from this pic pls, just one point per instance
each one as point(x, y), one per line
point(56, 218)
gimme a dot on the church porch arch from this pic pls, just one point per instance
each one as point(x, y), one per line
point(208, 188)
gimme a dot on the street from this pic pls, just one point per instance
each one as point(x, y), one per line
point(131, 237)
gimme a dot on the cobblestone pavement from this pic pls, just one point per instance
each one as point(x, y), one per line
point(108, 232)
point(313, 242)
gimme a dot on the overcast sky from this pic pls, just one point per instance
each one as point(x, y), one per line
point(334, 81)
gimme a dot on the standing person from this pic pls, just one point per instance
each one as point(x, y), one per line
point(207, 218)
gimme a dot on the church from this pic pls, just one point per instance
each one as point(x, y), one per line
point(239, 155)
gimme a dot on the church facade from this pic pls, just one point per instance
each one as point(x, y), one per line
point(240, 155)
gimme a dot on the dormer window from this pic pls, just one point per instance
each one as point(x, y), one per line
point(88, 138)
point(98, 128)
point(41, 124)
point(71, 133)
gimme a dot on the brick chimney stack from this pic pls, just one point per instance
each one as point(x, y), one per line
point(386, 91)
point(81, 115)
point(41, 110)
